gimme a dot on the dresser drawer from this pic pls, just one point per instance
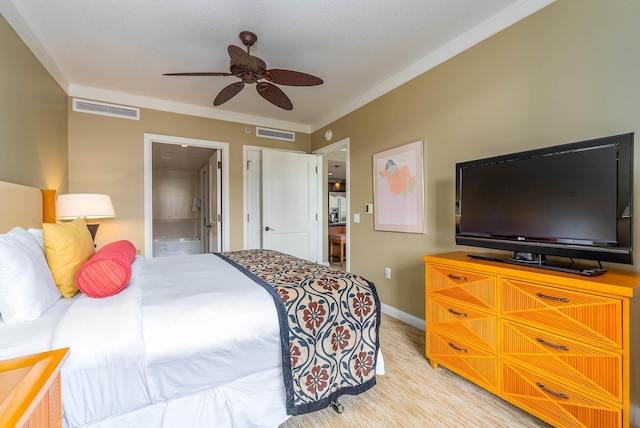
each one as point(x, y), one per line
point(479, 329)
point(586, 368)
point(580, 316)
point(473, 363)
point(469, 288)
point(564, 407)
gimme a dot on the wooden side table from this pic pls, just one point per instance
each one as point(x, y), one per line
point(30, 390)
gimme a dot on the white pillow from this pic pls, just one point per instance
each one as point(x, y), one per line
point(27, 288)
point(38, 235)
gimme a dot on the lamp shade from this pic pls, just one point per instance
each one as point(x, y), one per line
point(86, 205)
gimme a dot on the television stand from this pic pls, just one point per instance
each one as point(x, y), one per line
point(540, 261)
point(529, 258)
point(562, 347)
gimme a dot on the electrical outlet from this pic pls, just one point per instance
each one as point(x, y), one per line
point(387, 273)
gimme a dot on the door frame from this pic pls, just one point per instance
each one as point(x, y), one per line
point(204, 184)
point(324, 210)
point(213, 168)
point(149, 139)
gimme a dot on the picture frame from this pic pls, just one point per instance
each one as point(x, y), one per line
point(398, 189)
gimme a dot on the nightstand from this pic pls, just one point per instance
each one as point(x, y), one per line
point(30, 390)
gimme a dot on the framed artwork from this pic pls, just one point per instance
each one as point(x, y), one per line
point(398, 189)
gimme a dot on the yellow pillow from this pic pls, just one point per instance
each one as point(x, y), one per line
point(67, 246)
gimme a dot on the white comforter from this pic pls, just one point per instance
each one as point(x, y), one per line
point(183, 325)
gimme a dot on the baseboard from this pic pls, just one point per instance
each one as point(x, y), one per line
point(403, 316)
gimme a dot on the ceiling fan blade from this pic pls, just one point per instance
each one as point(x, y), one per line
point(274, 95)
point(227, 93)
point(200, 73)
point(236, 52)
point(242, 59)
point(292, 78)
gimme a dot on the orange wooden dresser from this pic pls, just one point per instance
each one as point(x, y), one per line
point(30, 390)
point(563, 347)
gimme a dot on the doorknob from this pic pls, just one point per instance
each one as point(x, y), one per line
point(268, 228)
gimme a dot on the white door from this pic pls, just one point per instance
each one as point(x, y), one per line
point(289, 203)
point(215, 202)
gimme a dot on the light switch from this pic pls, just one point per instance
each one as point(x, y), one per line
point(356, 218)
point(368, 208)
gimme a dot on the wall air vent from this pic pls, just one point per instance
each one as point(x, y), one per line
point(275, 134)
point(105, 109)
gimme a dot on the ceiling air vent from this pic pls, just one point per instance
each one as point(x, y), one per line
point(275, 134)
point(105, 109)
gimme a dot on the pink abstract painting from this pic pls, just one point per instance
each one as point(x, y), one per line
point(398, 189)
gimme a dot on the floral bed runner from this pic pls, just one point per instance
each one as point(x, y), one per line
point(329, 326)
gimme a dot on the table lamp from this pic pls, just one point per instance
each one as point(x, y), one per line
point(85, 205)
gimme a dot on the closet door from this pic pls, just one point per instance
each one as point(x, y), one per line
point(290, 203)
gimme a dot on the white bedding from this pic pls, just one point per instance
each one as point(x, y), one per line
point(105, 372)
point(190, 342)
point(17, 340)
point(211, 316)
point(193, 333)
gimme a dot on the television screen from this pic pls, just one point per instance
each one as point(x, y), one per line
point(572, 200)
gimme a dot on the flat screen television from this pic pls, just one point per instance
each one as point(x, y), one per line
point(572, 200)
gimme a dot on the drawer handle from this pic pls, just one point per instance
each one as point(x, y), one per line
point(557, 299)
point(458, 349)
point(557, 394)
point(461, 278)
point(552, 345)
point(460, 314)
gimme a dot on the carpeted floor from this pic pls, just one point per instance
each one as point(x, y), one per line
point(412, 394)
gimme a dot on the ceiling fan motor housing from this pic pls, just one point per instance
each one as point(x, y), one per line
point(248, 73)
point(248, 38)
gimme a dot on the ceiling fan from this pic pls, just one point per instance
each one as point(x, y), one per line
point(251, 69)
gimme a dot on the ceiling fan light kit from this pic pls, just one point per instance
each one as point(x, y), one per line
point(251, 69)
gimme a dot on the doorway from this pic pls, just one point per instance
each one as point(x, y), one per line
point(335, 204)
point(185, 180)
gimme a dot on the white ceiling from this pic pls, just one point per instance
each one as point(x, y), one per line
point(117, 50)
point(336, 171)
point(175, 157)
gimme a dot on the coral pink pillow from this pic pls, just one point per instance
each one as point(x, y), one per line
point(108, 271)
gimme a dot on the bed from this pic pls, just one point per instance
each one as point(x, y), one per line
point(239, 339)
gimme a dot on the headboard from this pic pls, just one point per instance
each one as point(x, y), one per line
point(23, 206)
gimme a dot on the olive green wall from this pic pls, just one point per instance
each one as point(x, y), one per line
point(106, 155)
point(33, 118)
point(569, 72)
